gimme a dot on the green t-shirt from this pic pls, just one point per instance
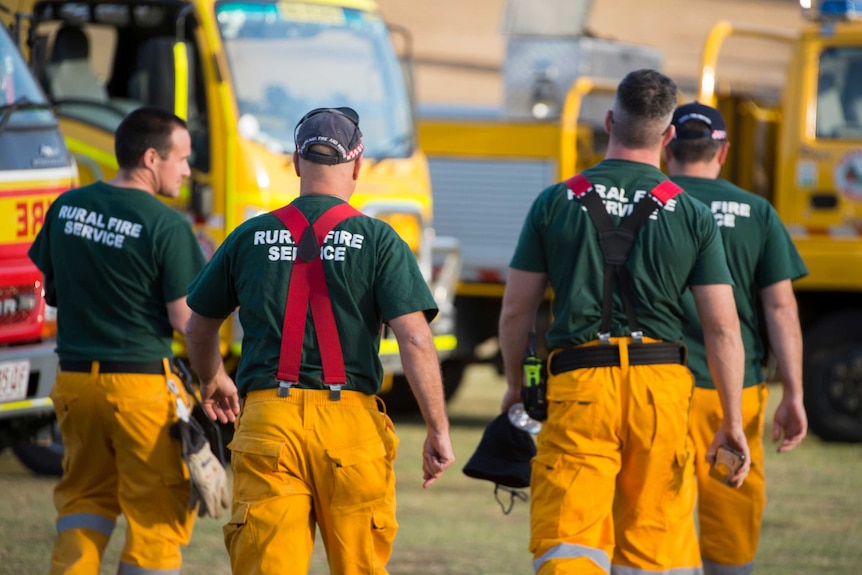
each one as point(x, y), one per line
point(118, 256)
point(759, 253)
point(678, 246)
point(371, 274)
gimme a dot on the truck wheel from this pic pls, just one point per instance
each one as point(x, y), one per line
point(832, 376)
point(400, 400)
point(42, 459)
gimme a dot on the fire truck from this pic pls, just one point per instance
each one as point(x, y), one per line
point(799, 144)
point(242, 74)
point(35, 167)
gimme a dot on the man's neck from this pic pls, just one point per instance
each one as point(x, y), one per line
point(643, 156)
point(133, 179)
point(704, 170)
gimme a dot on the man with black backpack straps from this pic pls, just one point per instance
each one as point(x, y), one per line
point(606, 482)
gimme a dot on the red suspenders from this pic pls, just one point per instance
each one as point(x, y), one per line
point(308, 286)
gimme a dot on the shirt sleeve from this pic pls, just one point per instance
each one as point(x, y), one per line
point(181, 257)
point(710, 267)
point(529, 252)
point(212, 293)
point(399, 286)
point(780, 259)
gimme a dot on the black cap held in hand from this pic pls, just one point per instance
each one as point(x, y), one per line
point(503, 455)
point(336, 128)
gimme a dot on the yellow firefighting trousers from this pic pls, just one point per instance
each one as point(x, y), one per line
point(729, 518)
point(607, 481)
point(119, 458)
point(303, 460)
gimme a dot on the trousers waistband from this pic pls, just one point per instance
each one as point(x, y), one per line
point(146, 367)
point(609, 356)
point(312, 397)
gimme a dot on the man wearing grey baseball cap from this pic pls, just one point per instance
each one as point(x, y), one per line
point(313, 446)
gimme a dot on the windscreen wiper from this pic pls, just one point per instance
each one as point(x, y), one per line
point(22, 103)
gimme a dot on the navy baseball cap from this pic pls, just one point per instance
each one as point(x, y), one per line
point(336, 128)
point(713, 123)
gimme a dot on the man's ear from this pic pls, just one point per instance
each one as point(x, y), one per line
point(296, 164)
point(609, 119)
point(722, 153)
point(149, 158)
point(668, 135)
point(357, 166)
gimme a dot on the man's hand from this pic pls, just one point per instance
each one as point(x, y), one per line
point(510, 398)
point(734, 438)
point(437, 455)
point(219, 398)
point(790, 422)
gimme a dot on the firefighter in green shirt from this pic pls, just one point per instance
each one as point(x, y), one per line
point(314, 281)
point(606, 481)
point(117, 263)
point(763, 262)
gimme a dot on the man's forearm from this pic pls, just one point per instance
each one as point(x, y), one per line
point(202, 343)
point(785, 335)
point(422, 369)
point(726, 358)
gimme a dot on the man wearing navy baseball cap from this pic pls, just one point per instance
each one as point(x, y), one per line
point(334, 128)
point(313, 450)
point(763, 262)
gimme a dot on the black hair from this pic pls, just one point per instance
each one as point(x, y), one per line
point(142, 129)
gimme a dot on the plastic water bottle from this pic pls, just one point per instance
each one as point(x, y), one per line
point(519, 418)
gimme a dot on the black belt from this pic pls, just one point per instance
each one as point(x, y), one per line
point(148, 367)
point(609, 356)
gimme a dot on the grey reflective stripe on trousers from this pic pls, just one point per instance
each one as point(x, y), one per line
point(92, 521)
point(619, 570)
point(572, 551)
point(711, 568)
point(126, 569)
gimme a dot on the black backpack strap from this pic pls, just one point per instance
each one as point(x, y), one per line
point(616, 244)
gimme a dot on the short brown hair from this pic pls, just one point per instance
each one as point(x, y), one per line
point(643, 108)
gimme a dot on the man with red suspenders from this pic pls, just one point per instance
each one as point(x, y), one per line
point(606, 482)
point(314, 282)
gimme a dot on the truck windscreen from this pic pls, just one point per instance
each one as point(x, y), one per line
point(287, 58)
point(22, 102)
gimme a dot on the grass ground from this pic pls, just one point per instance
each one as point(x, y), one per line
point(813, 521)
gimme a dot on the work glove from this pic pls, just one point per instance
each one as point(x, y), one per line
point(208, 477)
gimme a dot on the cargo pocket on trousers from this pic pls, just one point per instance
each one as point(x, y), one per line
point(573, 404)
point(360, 474)
point(383, 527)
point(256, 462)
point(232, 530)
point(671, 404)
point(550, 486)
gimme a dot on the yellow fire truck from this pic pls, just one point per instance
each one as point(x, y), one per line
point(800, 146)
point(242, 74)
point(35, 167)
point(803, 151)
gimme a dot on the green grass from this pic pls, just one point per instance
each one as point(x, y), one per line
point(813, 521)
